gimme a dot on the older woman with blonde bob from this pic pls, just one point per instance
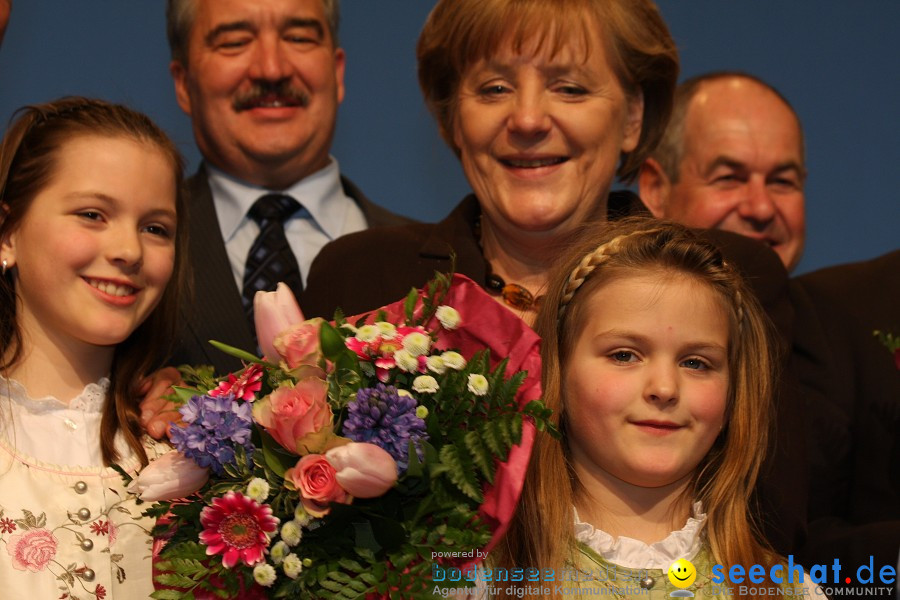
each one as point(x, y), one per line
point(544, 103)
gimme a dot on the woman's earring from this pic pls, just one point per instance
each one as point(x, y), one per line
point(3, 266)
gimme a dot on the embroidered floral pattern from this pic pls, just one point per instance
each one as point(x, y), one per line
point(59, 524)
point(7, 525)
point(32, 550)
point(34, 546)
point(100, 527)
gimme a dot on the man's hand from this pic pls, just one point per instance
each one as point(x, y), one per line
point(157, 413)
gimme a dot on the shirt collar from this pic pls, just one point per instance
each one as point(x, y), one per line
point(321, 193)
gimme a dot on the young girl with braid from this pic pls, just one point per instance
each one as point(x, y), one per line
point(90, 255)
point(656, 362)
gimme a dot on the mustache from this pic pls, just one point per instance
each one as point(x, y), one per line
point(267, 92)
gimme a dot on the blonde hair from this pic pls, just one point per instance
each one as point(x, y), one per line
point(29, 155)
point(458, 33)
point(542, 531)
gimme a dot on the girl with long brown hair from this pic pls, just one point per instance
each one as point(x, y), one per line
point(90, 256)
point(657, 363)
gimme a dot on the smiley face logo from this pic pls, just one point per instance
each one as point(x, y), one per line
point(682, 573)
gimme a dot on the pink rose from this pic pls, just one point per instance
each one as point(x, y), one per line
point(170, 476)
point(364, 470)
point(32, 549)
point(273, 313)
point(298, 416)
point(299, 345)
point(315, 479)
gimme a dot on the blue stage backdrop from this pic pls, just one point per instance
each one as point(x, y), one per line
point(835, 60)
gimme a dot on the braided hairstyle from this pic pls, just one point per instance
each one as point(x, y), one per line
point(542, 533)
point(28, 161)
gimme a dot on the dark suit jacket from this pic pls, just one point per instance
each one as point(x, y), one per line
point(365, 270)
point(215, 311)
point(853, 410)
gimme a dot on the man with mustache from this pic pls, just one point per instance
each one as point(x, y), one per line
point(732, 158)
point(261, 81)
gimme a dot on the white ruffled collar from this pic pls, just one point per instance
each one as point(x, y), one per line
point(635, 554)
point(90, 400)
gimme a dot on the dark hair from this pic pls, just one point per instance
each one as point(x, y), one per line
point(460, 32)
point(670, 151)
point(180, 16)
point(28, 161)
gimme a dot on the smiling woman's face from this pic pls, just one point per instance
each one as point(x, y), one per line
point(540, 134)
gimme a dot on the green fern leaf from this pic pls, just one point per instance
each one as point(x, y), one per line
point(175, 580)
point(460, 473)
point(480, 455)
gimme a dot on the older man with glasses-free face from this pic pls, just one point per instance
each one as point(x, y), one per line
point(732, 158)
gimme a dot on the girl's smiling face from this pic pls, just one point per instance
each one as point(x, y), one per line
point(646, 383)
point(96, 247)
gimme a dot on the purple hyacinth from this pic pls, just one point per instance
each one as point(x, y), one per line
point(383, 417)
point(215, 426)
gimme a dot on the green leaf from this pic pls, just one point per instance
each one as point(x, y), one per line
point(122, 473)
point(183, 394)
point(168, 595)
point(340, 577)
point(175, 580)
point(331, 342)
point(491, 438)
point(460, 473)
point(350, 565)
point(480, 455)
point(409, 306)
point(277, 459)
point(185, 566)
point(415, 468)
point(331, 585)
point(241, 354)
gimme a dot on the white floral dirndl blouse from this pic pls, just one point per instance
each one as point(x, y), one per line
point(68, 530)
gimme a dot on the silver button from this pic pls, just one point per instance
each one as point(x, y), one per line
point(87, 574)
point(80, 487)
point(647, 582)
point(84, 514)
point(87, 544)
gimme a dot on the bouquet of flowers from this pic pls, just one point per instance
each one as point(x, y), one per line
point(354, 456)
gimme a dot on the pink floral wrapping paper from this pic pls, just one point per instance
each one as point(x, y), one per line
point(488, 325)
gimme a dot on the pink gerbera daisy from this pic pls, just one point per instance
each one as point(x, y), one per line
point(236, 527)
point(243, 387)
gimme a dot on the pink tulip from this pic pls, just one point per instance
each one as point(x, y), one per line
point(274, 312)
point(170, 476)
point(364, 470)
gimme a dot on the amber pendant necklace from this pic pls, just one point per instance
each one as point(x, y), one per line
point(513, 294)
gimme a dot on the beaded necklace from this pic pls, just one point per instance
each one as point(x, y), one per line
point(513, 294)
